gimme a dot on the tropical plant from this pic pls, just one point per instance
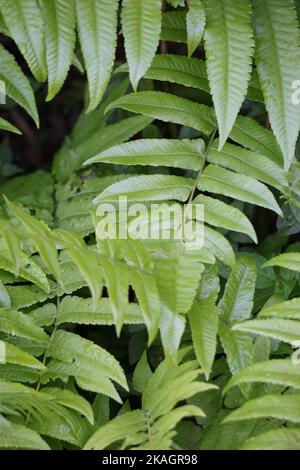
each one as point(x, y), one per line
point(153, 344)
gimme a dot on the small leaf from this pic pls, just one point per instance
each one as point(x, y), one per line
point(7, 126)
point(203, 318)
point(60, 41)
point(168, 108)
point(286, 260)
point(97, 29)
point(229, 45)
point(141, 23)
point(216, 179)
point(195, 24)
point(183, 153)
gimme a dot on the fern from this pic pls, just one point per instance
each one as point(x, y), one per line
point(144, 343)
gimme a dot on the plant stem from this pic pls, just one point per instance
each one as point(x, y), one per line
point(212, 138)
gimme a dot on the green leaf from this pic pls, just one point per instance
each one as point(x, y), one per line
point(87, 263)
point(276, 439)
point(18, 324)
point(286, 260)
point(168, 108)
point(148, 188)
point(17, 85)
point(116, 430)
point(195, 24)
point(186, 71)
point(203, 318)
point(238, 348)
point(7, 126)
point(285, 407)
point(219, 214)
point(141, 23)
point(172, 326)
point(230, 436)
point(68, 347)
point(289, 309)
point(142, 373)
point(60, 41)
point(25, 24)
point(187, 154)
point(281, 329)
point(71, 400)
point(16, 436)
point(41, 236)
point(280, 371)
point(191, 72)
point(70, 158)
point(248, 163)
point(144, 284)
point(237, 301)
point(88, 312)
point(276, 31)
point(97, 29)
point(28, 270)
point(216, 179)
point(228, 45)
point(14, 355)
point(5, 300)
point(252, 135)
point(219, 246)
point(12, 243)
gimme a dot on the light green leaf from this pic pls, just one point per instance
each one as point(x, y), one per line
point(278, 63)
point(71, 400)
point(216, 179)
point(229, 45)
point(203, 318)
point(281, 329)
point(142, 373)
point(87, 263)
point(168, 108)
point(237, 301)
point(14, 355)
point(18, 324)
point(88, 312)
point(276, 439)
point(141, 23)
point(60, 41)
point(248, 163)
point(7, 126)
point(71, 157)
point(41, 236)
point(25, 24)
point(148, 188)
point(286, 260)
point(187, 154)
point(238, 347)
point(280, 371)
point(97, 29)
point(68, 347)
point(252, 135)
point(17, 85)
point(16, 436)
point(219, 246)
point(219, 214)
point(289, 309)
point(286, 407)
point(195, 24)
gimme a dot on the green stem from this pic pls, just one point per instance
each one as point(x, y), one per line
point(210, 142)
